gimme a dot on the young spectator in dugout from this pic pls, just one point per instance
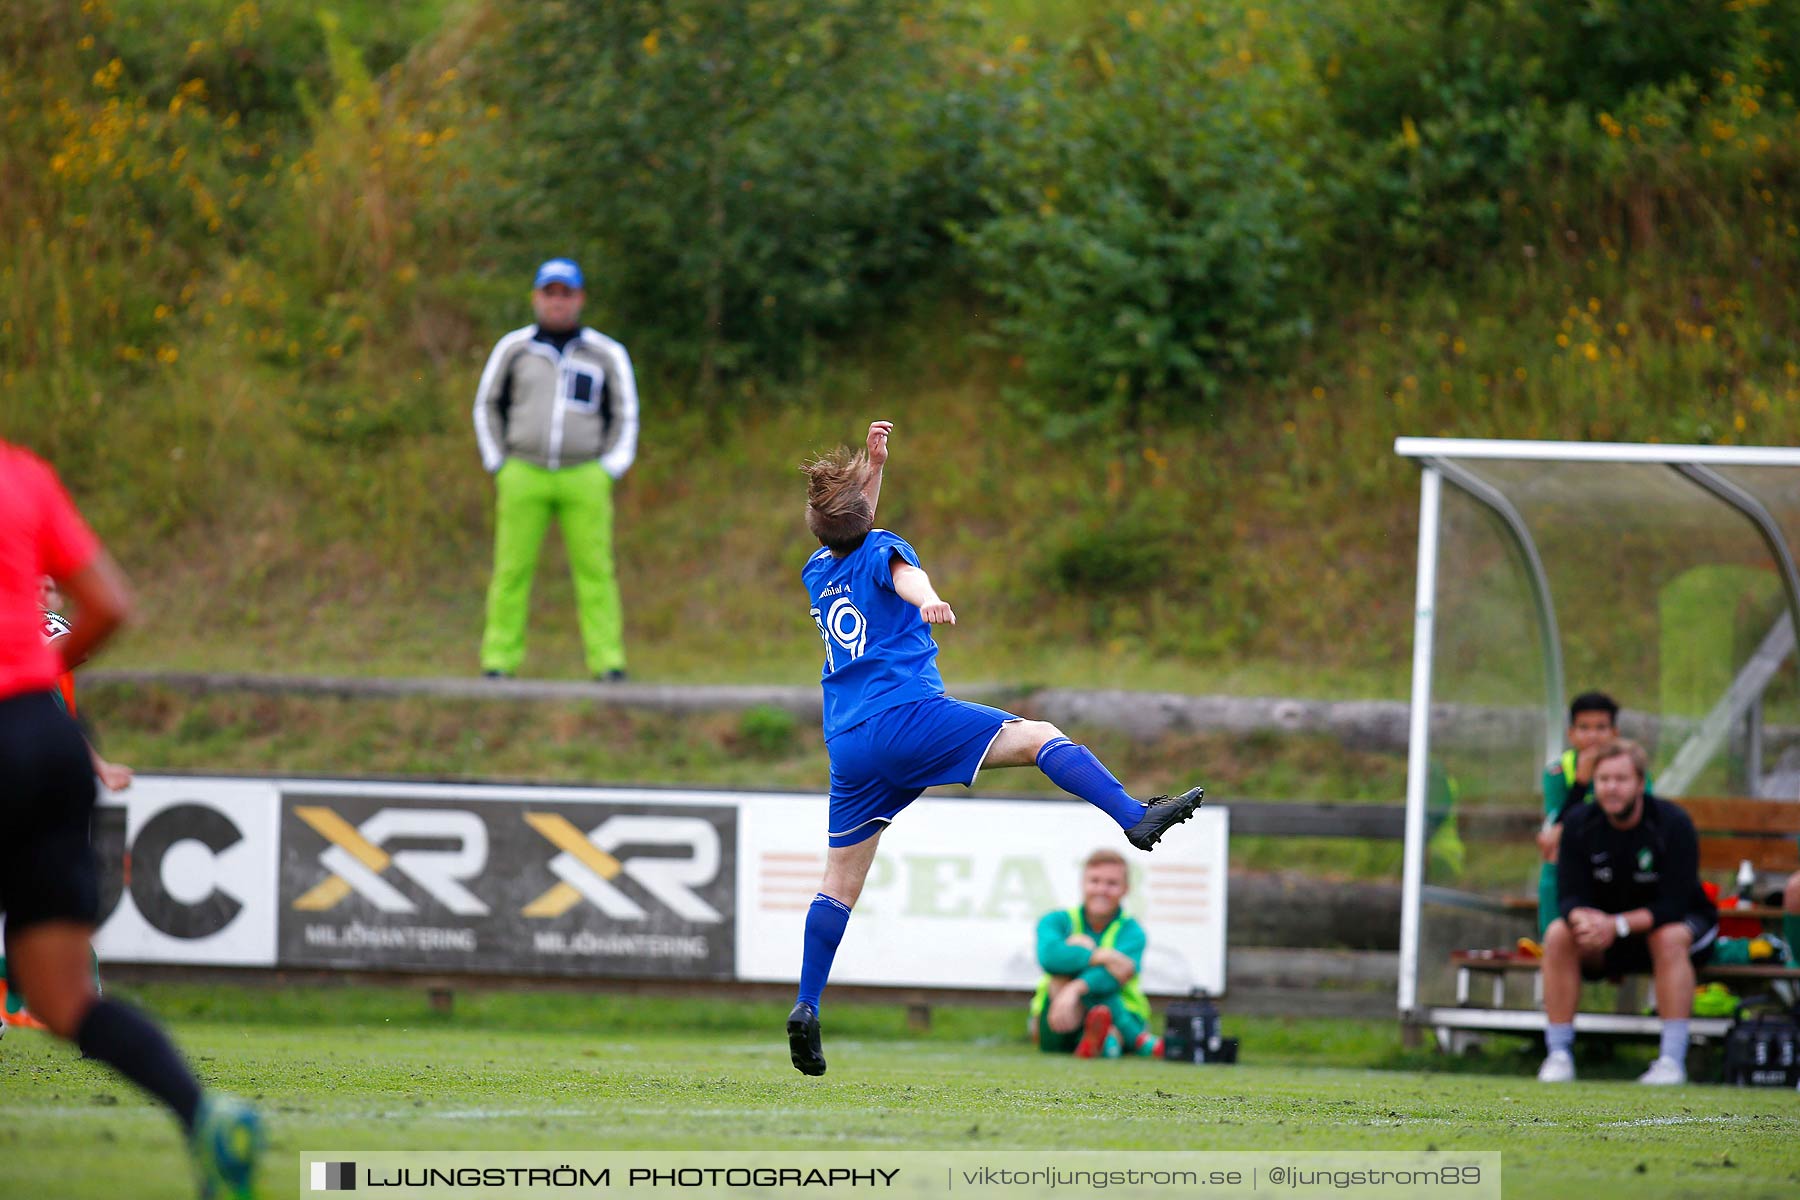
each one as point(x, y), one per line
point(1628, 878)
point(1790, 917)
point(1089, 1001)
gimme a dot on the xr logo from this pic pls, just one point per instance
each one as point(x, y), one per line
point(357, 860)
point(587, 865)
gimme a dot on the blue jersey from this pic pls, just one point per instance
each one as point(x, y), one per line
point(879, 652)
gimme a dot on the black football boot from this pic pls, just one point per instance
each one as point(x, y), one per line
point(1161, 813)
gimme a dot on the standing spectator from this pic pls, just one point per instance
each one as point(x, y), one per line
point(556, 417)
point(1629, 881)
point(1089, 1001)
point(49, 882)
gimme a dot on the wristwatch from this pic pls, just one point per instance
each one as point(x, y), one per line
point(1621, 925)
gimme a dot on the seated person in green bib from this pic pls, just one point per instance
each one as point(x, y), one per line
point(1089, 1001)
point(1568, 782)
point(1790, 917)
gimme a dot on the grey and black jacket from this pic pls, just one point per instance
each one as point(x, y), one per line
point(557, 400)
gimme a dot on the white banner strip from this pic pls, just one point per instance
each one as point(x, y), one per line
point(621, 882)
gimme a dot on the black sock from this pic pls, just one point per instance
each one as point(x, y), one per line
point(125, 1040)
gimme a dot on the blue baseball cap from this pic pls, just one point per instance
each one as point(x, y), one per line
point(558, 270)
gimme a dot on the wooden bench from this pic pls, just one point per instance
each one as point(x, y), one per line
point(1732, 830)
point(1469, 964)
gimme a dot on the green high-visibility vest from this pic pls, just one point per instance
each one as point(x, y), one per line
point(1131, 992)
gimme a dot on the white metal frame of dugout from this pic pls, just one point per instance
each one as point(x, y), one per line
point(1445, 459)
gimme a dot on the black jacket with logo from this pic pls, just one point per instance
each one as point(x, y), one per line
point(1655, 864)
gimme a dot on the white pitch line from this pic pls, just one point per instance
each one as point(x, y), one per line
point(1720, 1119)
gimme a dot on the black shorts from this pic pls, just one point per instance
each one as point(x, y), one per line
point(1631, 955)
point(47, 867)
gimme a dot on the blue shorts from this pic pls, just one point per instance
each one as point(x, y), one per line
point(880, 766)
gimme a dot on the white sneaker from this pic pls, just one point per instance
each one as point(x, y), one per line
point(1664, 1071)
point(1559, 1067)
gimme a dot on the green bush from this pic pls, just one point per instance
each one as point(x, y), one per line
point(121, 199)
point(1112, 554)
point(375, 199)
point(164, 214)
point(742, 180)
point(1465, 123)
point(1101, 558)
point(259, 60)
point(1153, 214)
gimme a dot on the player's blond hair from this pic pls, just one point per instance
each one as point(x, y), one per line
point(1102, 857)
point(837, 511)
point(1624, 748)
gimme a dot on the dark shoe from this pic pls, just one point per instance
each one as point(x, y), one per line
point(803, 1040)
point(496, 674)
point(1162, 814)
point(616, 675)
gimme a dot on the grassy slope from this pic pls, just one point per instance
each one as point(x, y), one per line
point(709, 542)
point(1283, 535)
point(377, 1072)
point(1279, 538)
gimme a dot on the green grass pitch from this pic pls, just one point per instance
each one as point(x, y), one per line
point(358, 1069)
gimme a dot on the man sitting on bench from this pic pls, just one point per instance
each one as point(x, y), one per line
point(1628, 883)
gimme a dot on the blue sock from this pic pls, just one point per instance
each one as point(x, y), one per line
point(1559, 1037)
point(825, 922)
point(1675, 1041)
point(1075, 770)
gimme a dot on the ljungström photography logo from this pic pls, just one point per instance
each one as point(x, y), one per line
point(334, 1177)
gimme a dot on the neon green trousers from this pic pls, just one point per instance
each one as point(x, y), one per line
point(526, 497)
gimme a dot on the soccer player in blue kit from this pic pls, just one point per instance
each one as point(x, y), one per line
point(890, 730)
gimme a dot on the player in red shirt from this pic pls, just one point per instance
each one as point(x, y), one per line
point(114, 777)
point(49, 882)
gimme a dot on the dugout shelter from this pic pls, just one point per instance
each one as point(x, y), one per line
point(1663, 575)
